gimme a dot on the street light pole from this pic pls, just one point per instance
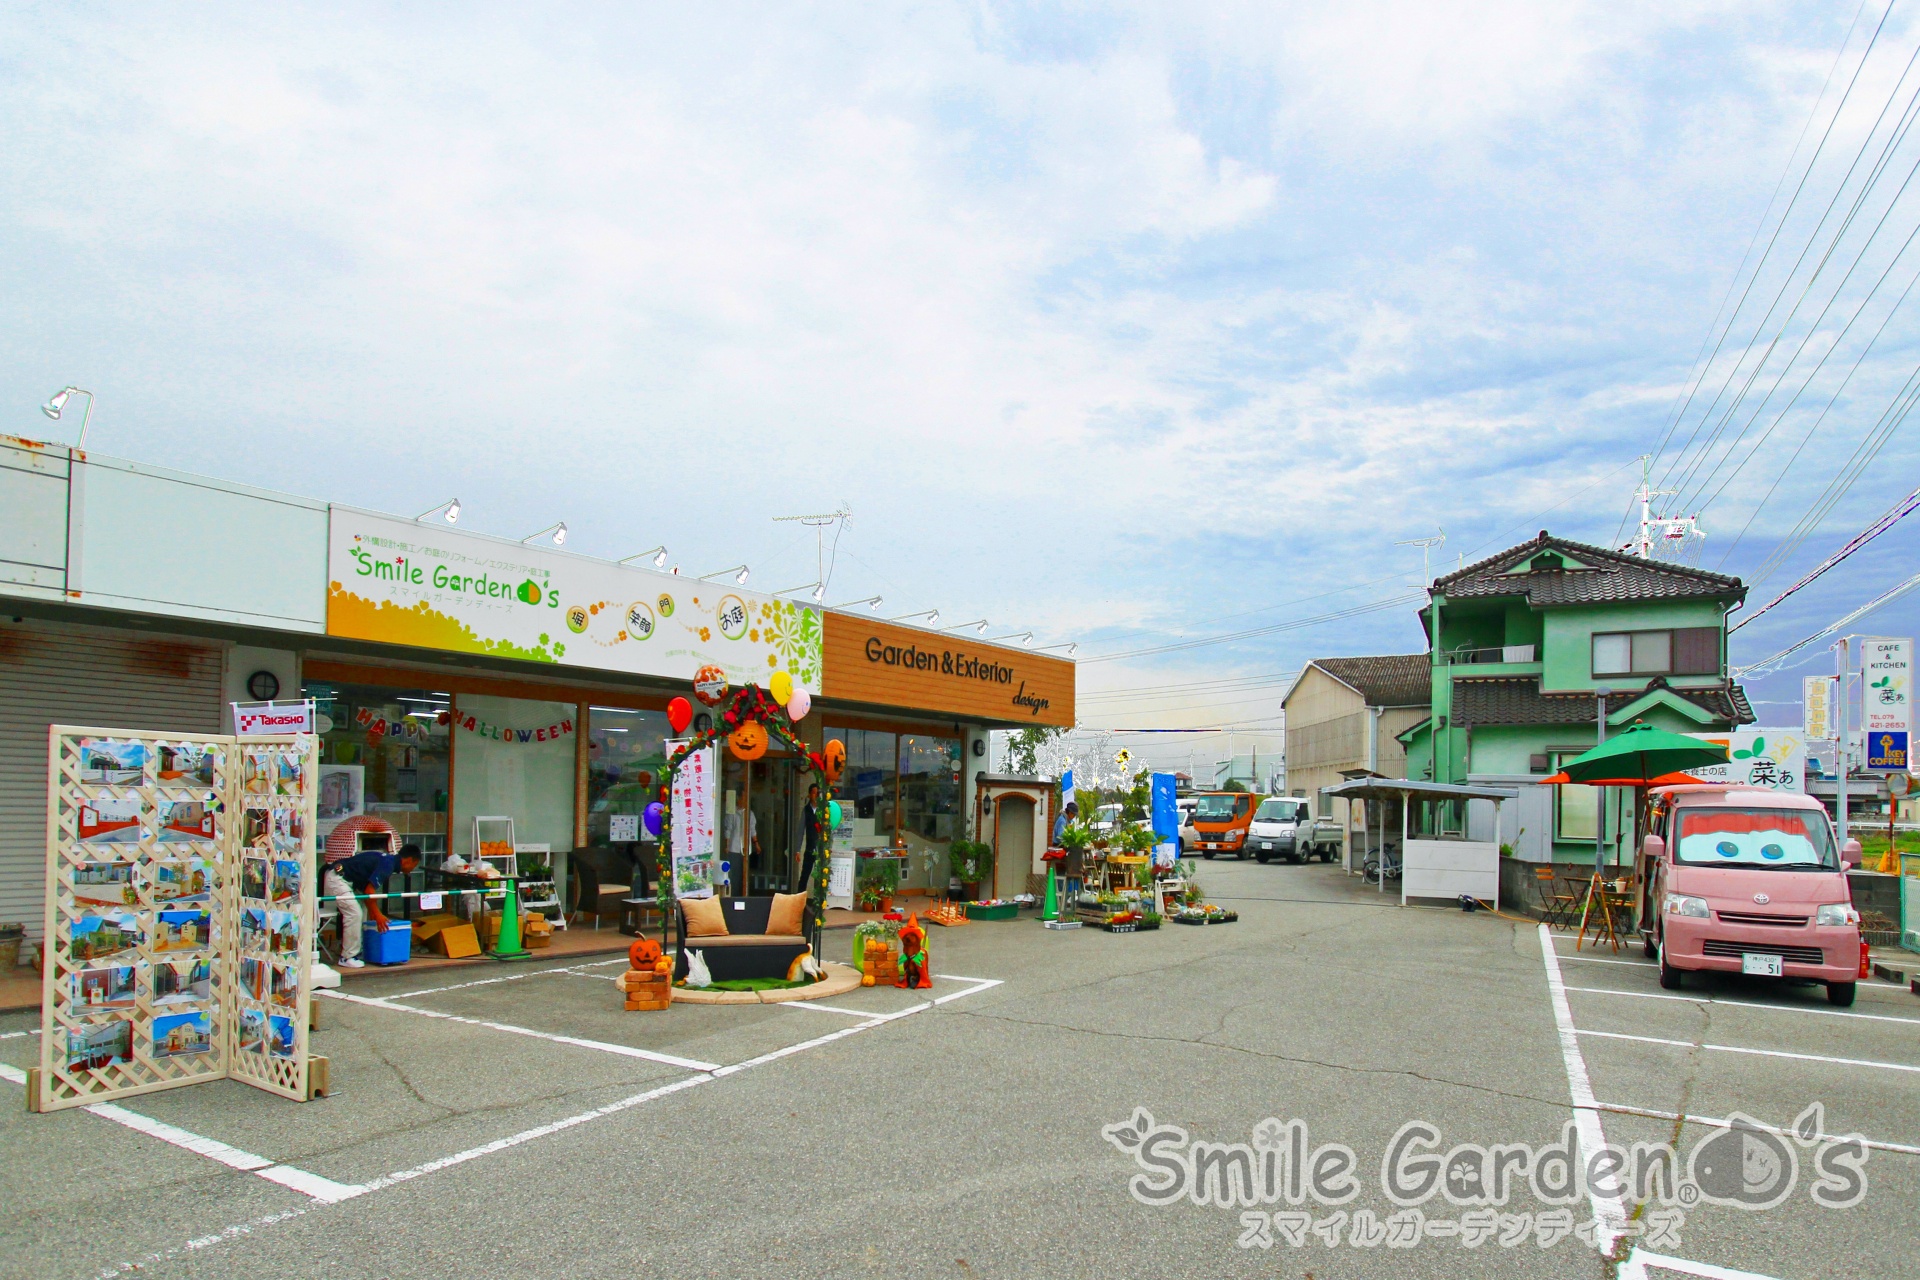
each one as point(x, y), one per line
point(1841, 754)
point(1600, 816)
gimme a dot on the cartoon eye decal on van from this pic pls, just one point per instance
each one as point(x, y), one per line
point(1772, 852)
point(1727, 849)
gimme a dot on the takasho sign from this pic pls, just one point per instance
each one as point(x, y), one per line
point(896, 666)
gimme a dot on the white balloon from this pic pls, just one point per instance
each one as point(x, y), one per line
point(800, 703)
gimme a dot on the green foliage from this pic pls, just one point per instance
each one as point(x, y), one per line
point(1233, 784)
point(1076, 838)
point(1023, 748)
point(970, 860)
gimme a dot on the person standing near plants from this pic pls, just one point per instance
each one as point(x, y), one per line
point(1068, 816)
point(811, 816)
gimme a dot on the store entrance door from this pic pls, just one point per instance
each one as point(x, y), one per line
point(1012, 846)
point(762, 865)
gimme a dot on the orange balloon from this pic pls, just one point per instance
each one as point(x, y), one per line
point(835, 757)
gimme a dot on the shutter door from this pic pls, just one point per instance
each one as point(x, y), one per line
point(56, 674)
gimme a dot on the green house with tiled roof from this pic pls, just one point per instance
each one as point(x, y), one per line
point(1521, 644)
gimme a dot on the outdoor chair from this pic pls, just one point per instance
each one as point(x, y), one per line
point(1555, 903)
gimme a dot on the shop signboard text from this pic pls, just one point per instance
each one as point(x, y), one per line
point(402, 582)
point(1886, 701)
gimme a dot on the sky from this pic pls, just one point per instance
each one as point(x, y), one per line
point(1131, 327)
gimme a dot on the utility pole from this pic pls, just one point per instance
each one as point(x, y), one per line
point(1840, 690)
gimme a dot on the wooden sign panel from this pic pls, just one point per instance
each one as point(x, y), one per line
point(895, 666)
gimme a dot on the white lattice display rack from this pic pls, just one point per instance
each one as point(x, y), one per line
point(180, 913)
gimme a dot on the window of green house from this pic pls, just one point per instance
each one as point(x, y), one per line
point(1576, 807)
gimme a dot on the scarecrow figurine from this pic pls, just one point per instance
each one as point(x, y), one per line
point(913, 956)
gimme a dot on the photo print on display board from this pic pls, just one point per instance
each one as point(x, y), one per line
point(182, 982)
point(110, 820)
point(95, 990)
point(255, 828)
point(104, 884)
point(253, 878)
point(253, 978)
point(253, 929)
point(186, 880)
point(253, 1031)
point(289, 829)
point(280, 1033)
point(286, 985)
point(185, 764)
point(108, 762)
point(180, 1035)
point(186, 930)
point(113, 935)
point(284, 929)
point(286, 880)
point(187, 821)
point(99, 1046)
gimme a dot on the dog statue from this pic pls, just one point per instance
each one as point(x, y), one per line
point(914, 972)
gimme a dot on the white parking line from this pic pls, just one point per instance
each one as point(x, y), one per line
point(813, 1006)
point(1758, 1053)
point(15, 1035)
point(322, 1189)
point(1744, 1004)
point(572, 969)
point(1717, 1122)
point(347, 1191)
point(1687, 1267)
point(624, 1050)
point(1609, 1211)
point(1632, 964)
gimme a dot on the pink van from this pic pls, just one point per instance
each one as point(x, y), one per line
point(1747, 881)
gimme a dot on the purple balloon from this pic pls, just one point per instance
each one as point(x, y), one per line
point(655, 815)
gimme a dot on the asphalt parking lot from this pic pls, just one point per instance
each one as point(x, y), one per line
point(518, 1121)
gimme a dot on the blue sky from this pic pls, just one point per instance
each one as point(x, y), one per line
point(1126, 326)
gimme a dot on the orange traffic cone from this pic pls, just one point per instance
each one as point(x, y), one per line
point(1866, 960)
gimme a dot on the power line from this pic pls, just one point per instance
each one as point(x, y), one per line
point(1767, 665)
point(1891, 517)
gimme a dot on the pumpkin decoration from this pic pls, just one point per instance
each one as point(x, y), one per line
point(749, 741)
point(835, 758)
point(710, 684)
point(643, 953)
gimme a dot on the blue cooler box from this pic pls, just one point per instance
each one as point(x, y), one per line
point(395, 946)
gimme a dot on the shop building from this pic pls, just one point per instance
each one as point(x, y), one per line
point(462, 676)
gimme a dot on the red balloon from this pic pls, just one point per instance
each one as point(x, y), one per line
point(679, 714)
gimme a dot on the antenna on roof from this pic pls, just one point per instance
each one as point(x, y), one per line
point(1426, 546)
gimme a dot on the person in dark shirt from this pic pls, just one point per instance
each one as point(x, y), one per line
point(366, 872)
point(810, 815)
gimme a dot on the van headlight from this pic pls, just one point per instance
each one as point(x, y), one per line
point(1678, 904)
point(1836, 913)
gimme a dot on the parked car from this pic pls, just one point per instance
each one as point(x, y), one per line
point(1189, 838)
point(1220, 822)
point(1284, 827)
point(1740, 881)
point(1104, 820)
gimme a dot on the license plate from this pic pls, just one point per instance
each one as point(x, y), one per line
point(1266, 844)
point(1765, 966)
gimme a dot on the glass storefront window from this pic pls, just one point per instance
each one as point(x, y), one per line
point(626, 762)
point(929, 786)
point(383, 752)
point(867, 786)
point(502, 768)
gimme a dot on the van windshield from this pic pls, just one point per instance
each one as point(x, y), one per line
point(1218, 808)
point(1278, 811)
point(1757, 839)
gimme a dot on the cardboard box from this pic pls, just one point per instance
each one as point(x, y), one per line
point(490, 929)
point(426, 926)
point(456, 941)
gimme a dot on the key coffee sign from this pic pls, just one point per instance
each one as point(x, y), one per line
point(906, 667)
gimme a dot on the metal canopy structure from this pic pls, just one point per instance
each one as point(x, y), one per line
point(1407, 788)
point(1443, 867)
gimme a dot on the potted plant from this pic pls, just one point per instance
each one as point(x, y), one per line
point(867, 895)
point(970, 862)
point(884, 880)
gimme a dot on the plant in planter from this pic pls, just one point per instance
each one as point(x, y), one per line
point(1137, 840)
point(971, 862)
point(878, 886)
point(1076, 838)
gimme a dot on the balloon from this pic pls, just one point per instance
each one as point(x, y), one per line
point(833, 814)
point(836, 759)
point(655, 815)
point(781, 687)
point(710, 684)
point(679, 714)
point(799, 704)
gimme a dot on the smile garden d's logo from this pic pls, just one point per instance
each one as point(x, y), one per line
point(1747, 1165)
point(402, 571)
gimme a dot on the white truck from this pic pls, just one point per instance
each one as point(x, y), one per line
point(1284, 827)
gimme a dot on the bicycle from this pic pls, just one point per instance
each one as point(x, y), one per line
point(1373, 868)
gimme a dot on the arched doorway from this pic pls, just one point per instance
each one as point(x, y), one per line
point(1012, 845)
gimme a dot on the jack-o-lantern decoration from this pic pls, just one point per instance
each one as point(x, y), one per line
point(643, 953)
point(710, 685)
point(749, 741)
point(835, 759)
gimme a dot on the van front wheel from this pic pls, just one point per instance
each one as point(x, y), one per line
point(1840, 993)
point(1669, 976)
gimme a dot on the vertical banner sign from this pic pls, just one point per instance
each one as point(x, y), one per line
point(179, 925)
point(1886, 701)
point(1816, 696)
point(1166, 819)
point(694, 866)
